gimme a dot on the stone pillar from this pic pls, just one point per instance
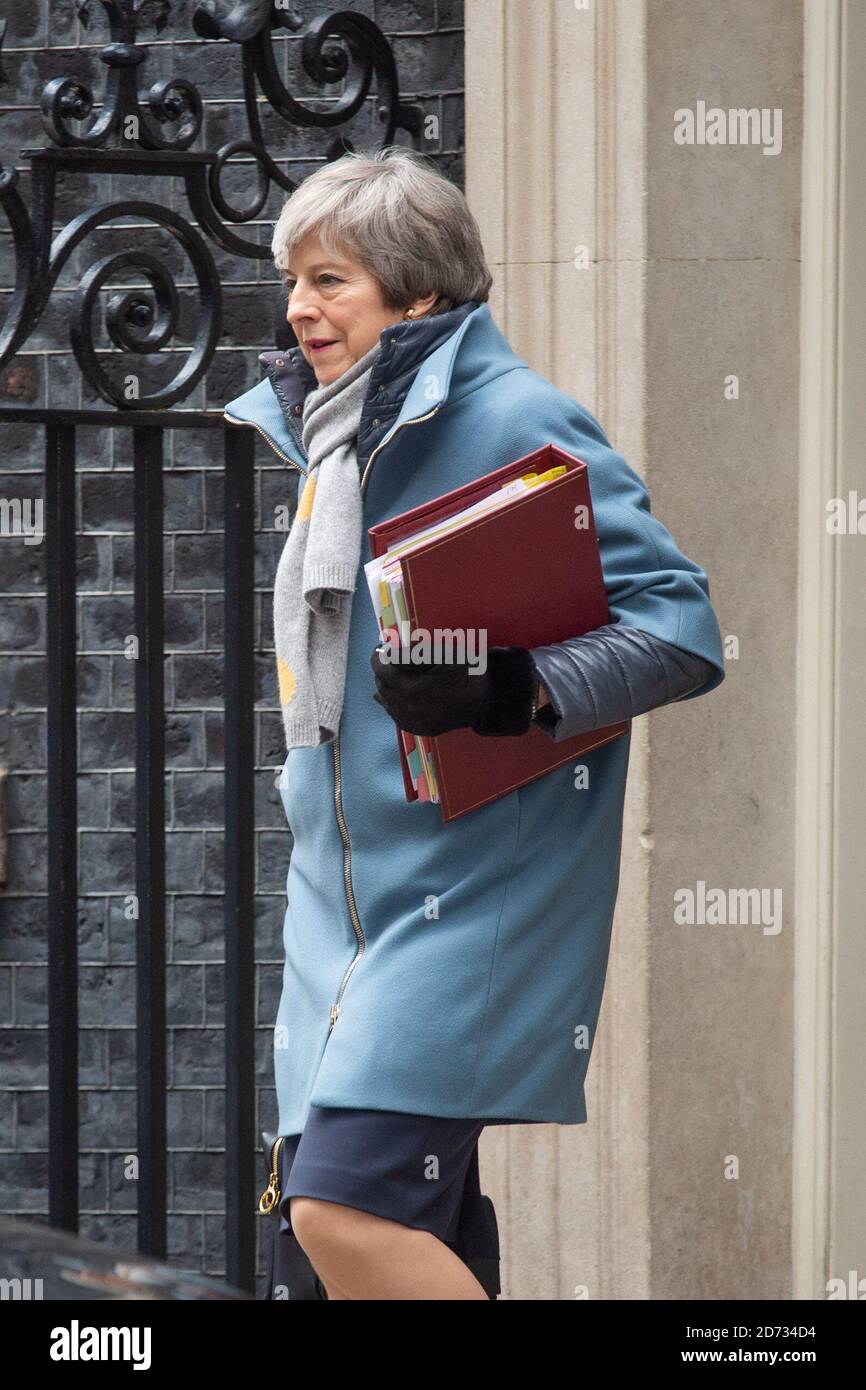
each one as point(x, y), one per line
point(640, 276)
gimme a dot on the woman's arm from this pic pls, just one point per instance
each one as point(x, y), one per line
point(662, 642)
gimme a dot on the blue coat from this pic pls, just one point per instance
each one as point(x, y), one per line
point(458, 969)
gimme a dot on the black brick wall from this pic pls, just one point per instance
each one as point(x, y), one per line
point(44, 38)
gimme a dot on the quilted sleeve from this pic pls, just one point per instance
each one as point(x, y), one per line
point(612, 674)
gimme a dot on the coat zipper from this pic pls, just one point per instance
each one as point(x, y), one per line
point(233, 420)
point(335, 744)
point(271, 1195)
point(334, 1010)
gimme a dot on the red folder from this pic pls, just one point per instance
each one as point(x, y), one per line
point(528, 574)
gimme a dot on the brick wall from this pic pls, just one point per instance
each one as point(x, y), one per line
point(44, 38)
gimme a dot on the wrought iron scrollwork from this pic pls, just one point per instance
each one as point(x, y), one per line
point(22, 311)
point(153, 135)
point(170, 101)
point(344, 46)
point(136, 321)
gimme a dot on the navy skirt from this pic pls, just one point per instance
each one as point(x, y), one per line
point(420, 1170)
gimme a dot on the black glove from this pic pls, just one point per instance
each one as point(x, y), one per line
point(430, 698)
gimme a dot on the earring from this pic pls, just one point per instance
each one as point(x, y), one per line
point(410, 313)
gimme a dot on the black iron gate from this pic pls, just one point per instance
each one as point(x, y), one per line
point(153, 136)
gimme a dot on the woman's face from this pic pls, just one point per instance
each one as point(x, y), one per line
point(334, 300)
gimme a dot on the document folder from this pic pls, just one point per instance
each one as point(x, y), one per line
point(526, 574)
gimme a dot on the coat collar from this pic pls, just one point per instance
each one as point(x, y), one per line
point(458, 351)
point(403, 347)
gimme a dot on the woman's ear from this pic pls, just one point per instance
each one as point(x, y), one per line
point(424, 305)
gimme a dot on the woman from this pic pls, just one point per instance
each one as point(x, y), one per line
point(438, 977)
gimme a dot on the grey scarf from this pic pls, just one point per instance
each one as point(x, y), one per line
point(318, 567)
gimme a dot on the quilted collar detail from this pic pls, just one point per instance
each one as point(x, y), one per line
point(404, 347)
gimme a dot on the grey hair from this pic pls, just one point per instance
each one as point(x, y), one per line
point(409, 226)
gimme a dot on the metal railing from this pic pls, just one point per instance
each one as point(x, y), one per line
point(146, 138)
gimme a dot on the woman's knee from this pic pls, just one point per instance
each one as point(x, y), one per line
point(317, 1224)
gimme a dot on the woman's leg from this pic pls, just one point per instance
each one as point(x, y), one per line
point(369, 1257)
